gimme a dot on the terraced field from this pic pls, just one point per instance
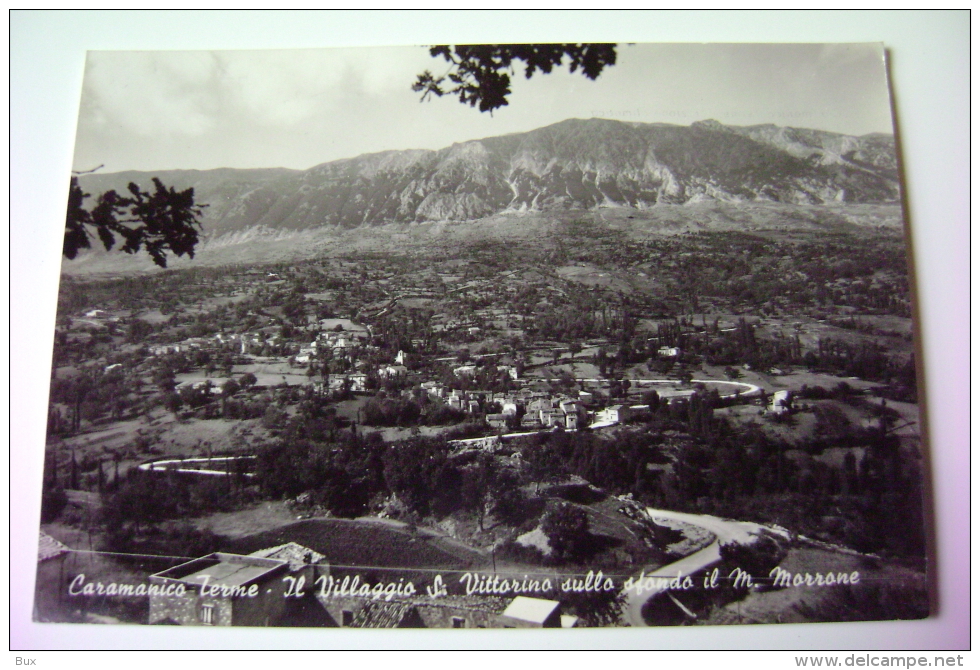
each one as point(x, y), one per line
point(365, 545)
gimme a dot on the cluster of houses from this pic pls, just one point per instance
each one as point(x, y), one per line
point(536, 410)
point(525, 409)
point(470, 371)
point(338, 342)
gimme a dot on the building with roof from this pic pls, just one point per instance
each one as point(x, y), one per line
point(614, 414)
point(392, 371)
point(379, 614)
point(48, 591)
point(222, 590)
point(782, 402)
point(524, 612)
point(531, 421)
point(454, 611)
point(302, 561)
point(497, 421)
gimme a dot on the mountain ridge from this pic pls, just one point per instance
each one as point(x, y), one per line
point(570, 165)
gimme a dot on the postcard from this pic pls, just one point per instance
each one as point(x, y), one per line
point(484, 336)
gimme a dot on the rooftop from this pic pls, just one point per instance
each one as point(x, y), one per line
point(536, 610)
point(295, 554)
point(49, 548)
point(222, 570)
point(381, 615)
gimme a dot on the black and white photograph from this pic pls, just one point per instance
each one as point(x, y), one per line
point(485, 336)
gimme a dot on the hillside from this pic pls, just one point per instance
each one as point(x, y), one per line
point(607, 170)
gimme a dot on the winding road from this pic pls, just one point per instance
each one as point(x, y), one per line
point(657, 582)
point(173, 465)
point(745, 388)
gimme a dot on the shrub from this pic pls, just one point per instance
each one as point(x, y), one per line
point(757, 558)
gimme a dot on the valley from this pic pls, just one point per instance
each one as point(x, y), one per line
point(474, 390)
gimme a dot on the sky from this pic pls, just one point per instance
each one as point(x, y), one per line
point(158, 110)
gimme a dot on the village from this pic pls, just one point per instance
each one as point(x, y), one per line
point(484, 376)
point(487, 404)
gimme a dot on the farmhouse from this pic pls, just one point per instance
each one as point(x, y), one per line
point(222, 590)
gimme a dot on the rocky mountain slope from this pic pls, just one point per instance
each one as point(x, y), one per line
point(572, 165)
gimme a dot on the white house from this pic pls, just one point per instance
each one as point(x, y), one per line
point(613, 414)
point(358, 382)
point(392, 371)
point(781, 402)
point(510, 370)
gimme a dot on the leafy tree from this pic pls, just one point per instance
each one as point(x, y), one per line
point(74, 393)
point(757, 558)
point(732, 373)
point(138, 331)
point(229, 388)
point(417, 470)
point(201, 357)
point(652, 399)
point(478, 73)
point(477, 486)
point(247, 380)
point(163, 221)
point(53, 500)
point(567, 528)
point(172, 402)
point(595, 609)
